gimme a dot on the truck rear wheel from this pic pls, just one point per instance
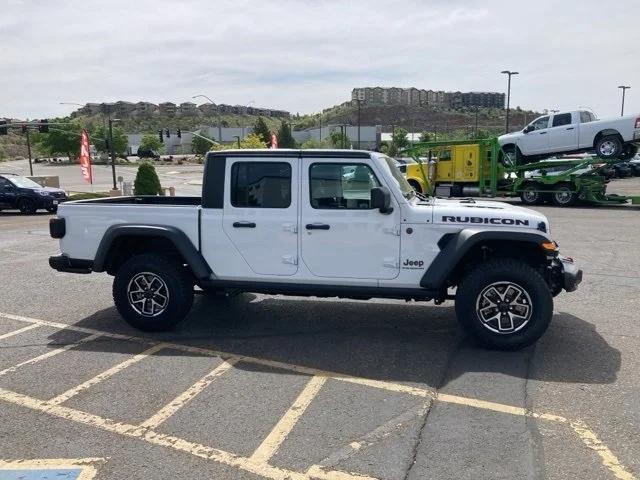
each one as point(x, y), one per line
point(152, 292)
point(504, 304)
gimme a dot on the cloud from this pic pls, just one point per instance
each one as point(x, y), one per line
point(305, 55)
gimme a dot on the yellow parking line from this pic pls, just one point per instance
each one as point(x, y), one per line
point(278, 434)
point(181, 400)
point(19, 331)
point(609, 460)
point(316, 471)
point(49, 354)
point(72, 392)
point(169, 441)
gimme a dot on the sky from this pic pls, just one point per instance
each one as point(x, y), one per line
point(306, 55)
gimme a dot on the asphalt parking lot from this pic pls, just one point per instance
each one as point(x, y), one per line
point(277, 387)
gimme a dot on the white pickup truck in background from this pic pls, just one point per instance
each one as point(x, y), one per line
point(573, 132)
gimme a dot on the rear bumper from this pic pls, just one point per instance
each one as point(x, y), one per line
point(62, 263)
point(571, 274)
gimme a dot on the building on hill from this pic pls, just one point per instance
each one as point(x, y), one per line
point(208, 109)
point(420, 97)
point(145, 108)
point(188, 109)
point(167, 108)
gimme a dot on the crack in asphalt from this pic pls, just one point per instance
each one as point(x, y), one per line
point(425, 417)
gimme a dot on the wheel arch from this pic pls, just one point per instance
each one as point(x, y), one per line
point(605, 133)
point(121, 242)
point(459, 252)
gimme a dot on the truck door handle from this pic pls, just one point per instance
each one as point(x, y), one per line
point(543, 133)
point(570, 128)
point(317, 226)
point(244, 225)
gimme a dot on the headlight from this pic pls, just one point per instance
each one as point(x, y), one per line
point(44, 193)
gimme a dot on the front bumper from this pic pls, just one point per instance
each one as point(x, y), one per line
point(62, 263)
point(570, 276)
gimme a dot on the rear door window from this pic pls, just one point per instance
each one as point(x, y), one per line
point(261, 185)
point(562, 119)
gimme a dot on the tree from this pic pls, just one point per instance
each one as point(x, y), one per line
point(399, 138)
point(314, 143)
point(150, 141)
point(61, 139)
point(285, 139)
point(201, 145)
point(147, 181)
point(425, 137)
point(339, 139)
point(261, 129)
point(252, 141)
point(100, 139)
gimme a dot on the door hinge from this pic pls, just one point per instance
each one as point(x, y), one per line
point(391, 262)
point(392, 231)
point(290, 259)
point(290, 227)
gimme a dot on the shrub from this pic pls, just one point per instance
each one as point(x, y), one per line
point(147, 181)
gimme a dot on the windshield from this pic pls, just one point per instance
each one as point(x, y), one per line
point(403, 185)
point(23, 182)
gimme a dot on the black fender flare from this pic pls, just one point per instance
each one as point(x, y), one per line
point(177, 237)
point(454, 246)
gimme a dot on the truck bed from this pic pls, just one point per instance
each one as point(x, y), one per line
point(142, 200)
point(87, 220)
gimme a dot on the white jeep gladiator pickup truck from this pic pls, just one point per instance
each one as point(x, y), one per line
point(325, 223)
point(574, 132)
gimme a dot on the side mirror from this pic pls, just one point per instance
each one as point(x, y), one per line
point(381, 199)
point(527, 129)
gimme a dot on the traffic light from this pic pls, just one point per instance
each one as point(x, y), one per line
point(160, 136)
point(179, 133)
point(166, 132)
point(3, 129)
point(44, 126)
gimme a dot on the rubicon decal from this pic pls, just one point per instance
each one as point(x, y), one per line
point(491, 221)
point(411, 264)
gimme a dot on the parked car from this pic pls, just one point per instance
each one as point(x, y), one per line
point(287, 222)
point(573, 132)
point(24, 194)
point(147, 153)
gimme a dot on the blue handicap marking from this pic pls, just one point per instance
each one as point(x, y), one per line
point(41, 474)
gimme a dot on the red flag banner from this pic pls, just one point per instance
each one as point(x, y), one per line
point(85, 157)
point(274, 141)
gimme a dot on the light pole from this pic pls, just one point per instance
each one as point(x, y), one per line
point(624, 89)
point(237, 137)
point(359, 101)
point(509, 73)
point(217, 114)
point(111, 149)
point(246, 109)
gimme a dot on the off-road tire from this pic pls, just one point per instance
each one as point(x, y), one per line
point(178, 291)
point(563, 196)
point(609, 147)
point(496, 272)
point(26, 206)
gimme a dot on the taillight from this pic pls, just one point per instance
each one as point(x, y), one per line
point(638, 122)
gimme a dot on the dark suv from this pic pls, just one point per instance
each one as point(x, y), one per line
point(28, 196)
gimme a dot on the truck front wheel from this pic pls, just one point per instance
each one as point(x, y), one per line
point(152, 292)
point(504, 304)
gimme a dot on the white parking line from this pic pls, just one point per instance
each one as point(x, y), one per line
point(19, 331)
